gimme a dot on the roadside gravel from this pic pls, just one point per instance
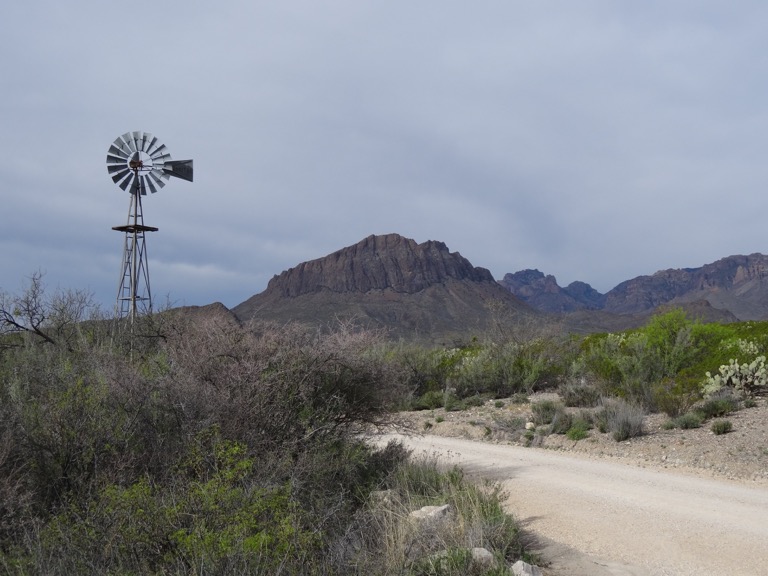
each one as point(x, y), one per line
point(740, 455)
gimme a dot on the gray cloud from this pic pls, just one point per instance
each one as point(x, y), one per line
point(591, 140)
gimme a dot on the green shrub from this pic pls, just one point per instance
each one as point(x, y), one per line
point(717, 406)
point(439, 419)
point(721, 426)
point(453, 404)
point(429, 400)
point(579, 429)
point(498, 404)
point(675, 397)
point(688, 421)
point(473, 401)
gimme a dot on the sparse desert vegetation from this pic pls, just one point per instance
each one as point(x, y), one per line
point(188, 444)
point(191, 444)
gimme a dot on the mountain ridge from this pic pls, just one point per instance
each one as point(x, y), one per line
point(737, 284)
point(425, 291)
point(413, 290)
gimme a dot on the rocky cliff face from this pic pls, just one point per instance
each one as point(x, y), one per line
point(420, 291)
point(378, 263)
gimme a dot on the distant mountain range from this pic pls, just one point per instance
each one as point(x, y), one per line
point(424, 291)
point(735, 287)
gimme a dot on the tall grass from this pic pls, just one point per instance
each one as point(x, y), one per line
point(389, 541)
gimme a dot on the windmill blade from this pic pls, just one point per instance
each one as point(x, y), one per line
point(151, 145)
point(156, 176)
point(116, 159)
point(118, 152)
point(136, 137)
point(144, 141)
point(116, 168)
point(117, 177)
point(120, 144)
point(160, 161)
point(161, 150)
point(129, 142)
point(150, 184)
point(181, 169)
point(128, 181)
point(143, 185)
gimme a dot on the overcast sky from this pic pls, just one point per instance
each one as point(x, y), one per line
point(593, 140)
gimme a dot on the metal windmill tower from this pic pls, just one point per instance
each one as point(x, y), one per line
point(137, 162)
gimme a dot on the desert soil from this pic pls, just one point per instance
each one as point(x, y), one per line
point(671, 502)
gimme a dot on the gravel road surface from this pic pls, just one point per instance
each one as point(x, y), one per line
point(593, 517)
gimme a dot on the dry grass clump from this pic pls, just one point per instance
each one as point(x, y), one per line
point(389, 540)
point(622, 419)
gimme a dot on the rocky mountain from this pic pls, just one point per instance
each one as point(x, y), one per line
point(542, 292)
point(413, 290)
point(732, 288)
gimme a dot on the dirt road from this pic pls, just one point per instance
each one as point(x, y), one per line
point(599, 518)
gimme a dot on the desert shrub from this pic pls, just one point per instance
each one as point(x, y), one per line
point(658, 366)
point(622, 419)
point(721, 426)
point(453, 403)
point(544, 411)
point(561, 422)
point(210, 515)
point(579, 429)
point(552, 414)
point(473, 401)
point(509, 423)
point(498, 404)
point(510, 366)
point(717, 406)
point(106, 446)
point(687, 421)
point(429, 400)
point(675, 397)
point(580, 394)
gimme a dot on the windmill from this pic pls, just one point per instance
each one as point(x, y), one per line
point(138, 162)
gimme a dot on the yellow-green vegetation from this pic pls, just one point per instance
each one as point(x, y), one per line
point(673, 365)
